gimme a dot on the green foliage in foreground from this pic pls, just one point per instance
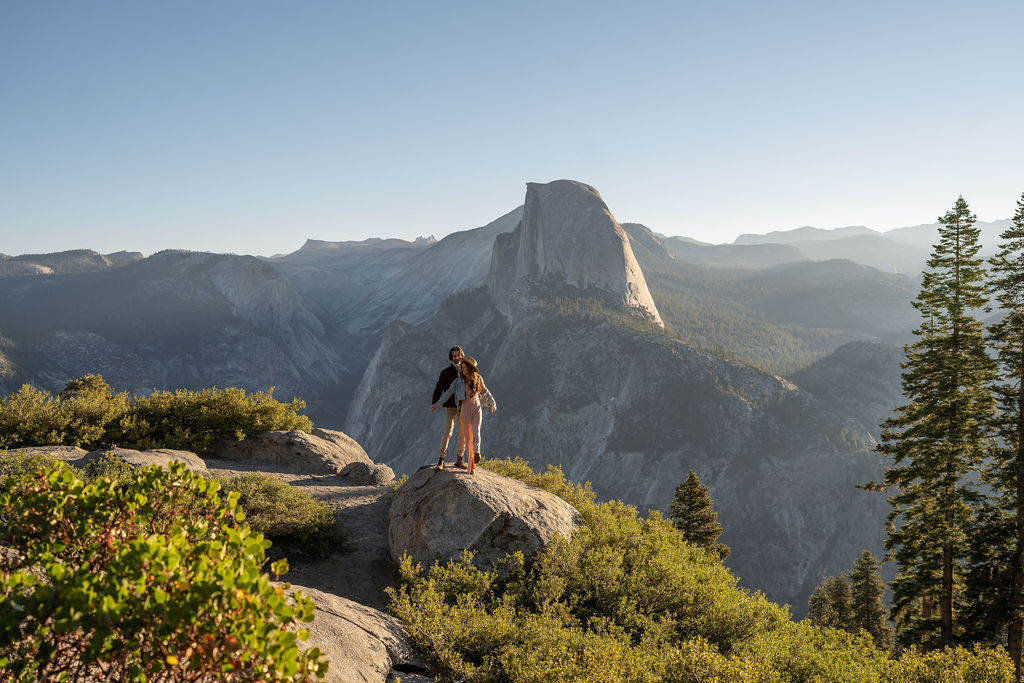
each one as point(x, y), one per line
point(153, 579)
point(628, 599)
point(285, 514)
point(87, 413)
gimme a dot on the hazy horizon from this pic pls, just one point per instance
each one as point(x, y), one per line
point(434, 237)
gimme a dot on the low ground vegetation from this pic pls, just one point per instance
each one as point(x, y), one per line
point(291, 518)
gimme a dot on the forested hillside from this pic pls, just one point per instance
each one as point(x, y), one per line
point(781, 317)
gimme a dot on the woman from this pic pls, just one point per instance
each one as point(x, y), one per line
point(477, 397)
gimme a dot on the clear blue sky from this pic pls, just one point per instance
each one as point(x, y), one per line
point(248, 126)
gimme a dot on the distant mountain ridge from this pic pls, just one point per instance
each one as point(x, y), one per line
point(63, 263)
point(901, 250)
point(805, 234)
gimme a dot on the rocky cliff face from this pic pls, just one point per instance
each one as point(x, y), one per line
point(567, 235)
point(362, 287)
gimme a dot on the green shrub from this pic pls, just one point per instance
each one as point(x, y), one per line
point(552, 480)
point(30, 417)
point(951, 665)
point(87, 413)
point(153, 579)
point(803, 652)
point(18, 468)
point(110, 467)
point(90, 411)
point(285, 514)
point(625, 599)
point(192, 420)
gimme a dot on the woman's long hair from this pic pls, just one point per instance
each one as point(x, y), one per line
point(474, 382)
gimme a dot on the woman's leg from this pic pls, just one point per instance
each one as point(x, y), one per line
point(469, 417)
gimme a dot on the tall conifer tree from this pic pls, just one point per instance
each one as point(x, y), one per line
point(1002, 554)
point(694, 515)
point(939, 436)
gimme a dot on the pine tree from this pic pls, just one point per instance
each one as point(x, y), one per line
point(869, 611)
point(819, 609)
point(694, 515)
point(939, 437)
point(1004, 564)
point(831, 604)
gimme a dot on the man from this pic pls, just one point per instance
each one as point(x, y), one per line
point(451, 407)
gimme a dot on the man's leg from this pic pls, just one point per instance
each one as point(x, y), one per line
point(451, 417)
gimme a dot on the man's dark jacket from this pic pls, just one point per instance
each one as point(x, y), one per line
point(444, 381)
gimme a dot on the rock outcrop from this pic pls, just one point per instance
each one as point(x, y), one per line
point(323, 451)
point(69, 454)
point(567, 235)
point(159, 456)
point(439, 514)
point(363, 644)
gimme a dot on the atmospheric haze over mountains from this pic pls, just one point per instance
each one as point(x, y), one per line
point(625, 357)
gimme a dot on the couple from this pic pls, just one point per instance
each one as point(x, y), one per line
point(461, 390)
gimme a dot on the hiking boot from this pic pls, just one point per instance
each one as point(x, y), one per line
point(440, 463)
point(459, 462)
point(476, 458)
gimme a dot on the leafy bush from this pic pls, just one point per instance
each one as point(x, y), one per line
point(627, 599)
point(284, 513)
point(192, 420)
point(952, 665)
point(87, 413)
point(18, 468)
point(110, 467)
point(803, 652)
point(30, 417)
point(155, 579)
point(90, 410)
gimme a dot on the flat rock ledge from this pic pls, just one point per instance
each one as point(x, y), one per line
point(158, 456)
point(439, 514)
point(363, 644)
point(70, 454)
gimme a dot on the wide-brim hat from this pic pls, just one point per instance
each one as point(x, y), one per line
point(471, 361)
